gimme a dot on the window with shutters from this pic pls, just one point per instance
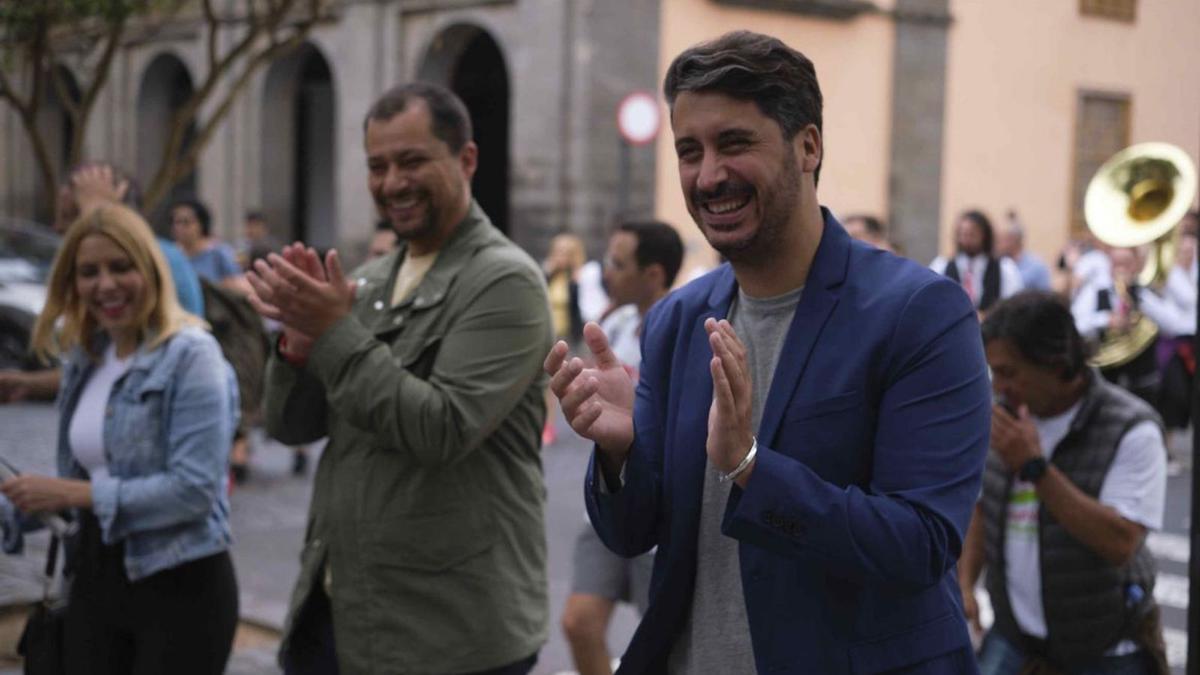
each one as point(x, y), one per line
point(1118, 10)
point(1101, 130)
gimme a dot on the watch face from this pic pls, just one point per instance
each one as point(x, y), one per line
point(1033, 469)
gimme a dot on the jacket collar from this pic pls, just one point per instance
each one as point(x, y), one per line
point(828, 268)
point(472, 232)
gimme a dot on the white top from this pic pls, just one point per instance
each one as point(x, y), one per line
point(621, 329)
point(1174, 310)
point(592, 298)
point(971, 270)
point(1090, 320)
point(86, 433)
point(1135, 487)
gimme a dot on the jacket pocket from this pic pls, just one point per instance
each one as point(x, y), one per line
point(909, 647)
point(825, 406)
point(432, 542)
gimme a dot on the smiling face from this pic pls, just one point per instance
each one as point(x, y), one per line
point(419, 185)
point(741, 178)
point(110, 287)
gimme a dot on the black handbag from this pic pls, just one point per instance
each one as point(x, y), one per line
point(42, 642)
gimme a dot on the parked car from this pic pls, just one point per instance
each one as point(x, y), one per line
point(26, 253)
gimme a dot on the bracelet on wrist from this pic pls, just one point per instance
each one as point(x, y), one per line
point(743, 465)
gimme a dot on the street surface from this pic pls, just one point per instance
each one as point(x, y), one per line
point(269, 515)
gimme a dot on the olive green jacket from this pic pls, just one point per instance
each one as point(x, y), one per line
point(427, 510)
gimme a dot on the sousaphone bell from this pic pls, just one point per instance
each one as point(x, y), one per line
point(1137, 198)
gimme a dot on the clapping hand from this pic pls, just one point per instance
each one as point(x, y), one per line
point(597, 401)
point(729, 434)
point(301, 292)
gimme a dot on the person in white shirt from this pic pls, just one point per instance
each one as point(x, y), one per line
point(1109, 306)
point(1075, 479)
point(640, 267)
point(1173, 308)
point(984, 276)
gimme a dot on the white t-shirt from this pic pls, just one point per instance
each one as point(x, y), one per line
point(1135, 487)
point(86, 433)
point(621, 329)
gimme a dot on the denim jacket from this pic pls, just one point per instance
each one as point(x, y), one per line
point(167, 433)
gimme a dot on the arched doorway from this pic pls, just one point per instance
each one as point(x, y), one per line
point(298, 161)
point(57, 130)
point(469, 61)
point(166, 87)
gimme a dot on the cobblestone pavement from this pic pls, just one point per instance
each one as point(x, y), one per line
point(268, 515)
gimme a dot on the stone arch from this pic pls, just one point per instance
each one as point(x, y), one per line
point(165, 87)
point(298, 153)
point(468, 59)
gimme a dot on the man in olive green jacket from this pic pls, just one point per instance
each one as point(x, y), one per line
point(425, 550)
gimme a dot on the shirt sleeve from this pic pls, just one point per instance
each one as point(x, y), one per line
point(226, 263)
point(1010, 278)
point(1090, 320)
point(1136, 483)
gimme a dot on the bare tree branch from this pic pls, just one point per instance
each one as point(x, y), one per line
point(210, 16)
point(91, 94)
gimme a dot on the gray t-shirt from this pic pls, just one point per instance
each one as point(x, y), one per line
point(716, 636)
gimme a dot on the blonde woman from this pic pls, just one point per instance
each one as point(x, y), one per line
point(148, 407)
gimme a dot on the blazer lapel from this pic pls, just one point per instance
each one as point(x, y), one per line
point(815, 307)
point(695, 398)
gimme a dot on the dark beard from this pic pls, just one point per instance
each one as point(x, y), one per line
point(779, 202)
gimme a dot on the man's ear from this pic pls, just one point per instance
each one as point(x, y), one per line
point(809, 145)
point(468, 159)
point(656, 273)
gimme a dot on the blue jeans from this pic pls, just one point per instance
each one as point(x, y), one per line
point(998, 656)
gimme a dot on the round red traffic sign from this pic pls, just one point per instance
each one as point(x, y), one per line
point(638, 118)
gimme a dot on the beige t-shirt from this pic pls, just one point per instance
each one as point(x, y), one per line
point(412, 271)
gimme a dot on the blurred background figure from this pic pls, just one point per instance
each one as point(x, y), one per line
point(214, 260)
point(563, 262)
point(868, 229)
point(640, 267)
point(975, 265)
point(257, 240)
point(1107, 311)
point(383, 240)
point(235, 324)
point(1011, 244)
point(1173, 308)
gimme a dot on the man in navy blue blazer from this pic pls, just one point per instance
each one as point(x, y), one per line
point(807, 435)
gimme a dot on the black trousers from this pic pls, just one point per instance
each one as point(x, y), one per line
point(178, 621)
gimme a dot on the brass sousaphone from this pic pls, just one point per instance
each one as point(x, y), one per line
point(1136, 199)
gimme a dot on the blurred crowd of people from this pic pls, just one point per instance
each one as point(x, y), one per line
point(1109, 293)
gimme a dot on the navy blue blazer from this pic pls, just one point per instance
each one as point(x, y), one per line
point(870, 454)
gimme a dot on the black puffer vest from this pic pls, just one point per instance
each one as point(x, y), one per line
point(1090, 604)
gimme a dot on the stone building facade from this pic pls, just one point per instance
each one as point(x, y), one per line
point(541, 78)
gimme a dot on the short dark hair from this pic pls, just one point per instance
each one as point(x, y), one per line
point(451, 121)
point(657, 242)
point(870, 223)
point(255, 214)
point(748, 66)
point(202, 213)
point(980, 220)
point(1039, 325)
point(133, 190)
